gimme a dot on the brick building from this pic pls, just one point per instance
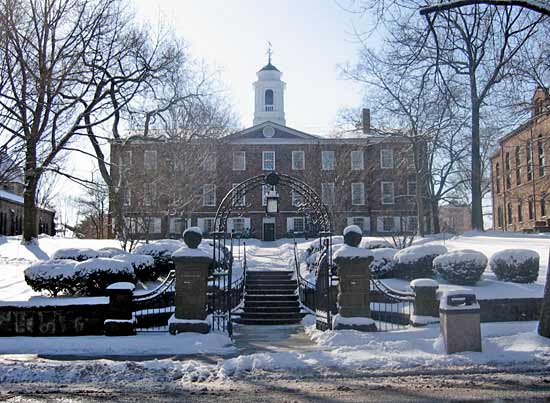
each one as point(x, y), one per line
point(455, 219)
point(520, 175)
point(367, 180)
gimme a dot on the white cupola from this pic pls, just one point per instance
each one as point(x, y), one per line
point(269, 95)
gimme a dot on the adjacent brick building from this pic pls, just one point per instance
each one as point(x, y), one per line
point(368, 180)
point(520, 175)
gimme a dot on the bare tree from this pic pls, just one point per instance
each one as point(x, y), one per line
point(94, 209)
point(535, 5)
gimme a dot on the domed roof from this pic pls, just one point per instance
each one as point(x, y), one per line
point(268, 67)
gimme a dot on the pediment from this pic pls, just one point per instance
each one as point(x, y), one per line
point(270, 131)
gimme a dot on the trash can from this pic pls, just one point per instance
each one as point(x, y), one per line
point(460, 321)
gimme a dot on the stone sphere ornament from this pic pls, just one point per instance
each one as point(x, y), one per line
point(352, 235)
point(192, 237)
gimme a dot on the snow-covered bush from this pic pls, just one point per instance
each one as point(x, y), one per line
point(53, 276)
point(111, 252)
point(375, 243)
point(161, 252)
point(143, 265)
point(463, 267)
point(382, 265)
point(416, 261)
point(78, 254)
point(95, 275)
point(515, 265)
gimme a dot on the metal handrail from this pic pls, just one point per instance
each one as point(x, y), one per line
point(167, 283)
point(391, 292)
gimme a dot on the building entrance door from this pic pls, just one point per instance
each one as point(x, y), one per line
point(269, 231)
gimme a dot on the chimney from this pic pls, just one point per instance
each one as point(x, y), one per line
point(366, 120)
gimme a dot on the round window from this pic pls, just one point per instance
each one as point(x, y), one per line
point(268, 131)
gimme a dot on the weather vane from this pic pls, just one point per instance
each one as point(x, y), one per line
point(269, 51)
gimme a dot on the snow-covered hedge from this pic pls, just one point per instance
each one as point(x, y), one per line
point(143, 265)
point(90, 277)
point(161, 252)
point(95, 275)
point(382, 266)
point(416, 261)
point(111, 252)
point(375, 244)
point(53, 276)
point(463, 267)
point(78, 254)
point(515, 265)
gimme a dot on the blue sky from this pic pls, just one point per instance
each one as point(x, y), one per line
point(310, 38)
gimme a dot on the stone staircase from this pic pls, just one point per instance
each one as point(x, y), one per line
point(270, 299)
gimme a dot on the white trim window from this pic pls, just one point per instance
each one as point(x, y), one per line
point(361, 222)
point(327, 160)
point(388, 192)
point(358, 193)
point(411, 188)
point(268, 160)
point(239, 160)
point(295, 224)
point(177, 225)
point(327, 193)
point(209, 162)
point(241, 200)
point(409, 158)
point(209, 195)
point(297, 198)
point(298, 160)
point(149, 194)
point(127, 198)
point(265, 190)
point(208, 225)
point(388, 224)
point(357, 160)
point(412, 223)
point(150, 160)
point(238, 225)
point(125, 161)
point(154, 225)
point(386, 158)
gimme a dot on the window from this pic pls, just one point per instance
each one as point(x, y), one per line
point(239, 160)
point(388, 193)
point(357, 160)
point(269, 100)
point(238, 225)
point(411, 188)
point(543, 207)
point(327, 159)
point(268, 160)
point(154, 225)
point(497, 176)
point(327, 193)
point(360, 222)
point(520, 212)
point(209, 162)
point(388, 224)
point(518, 165)
point(510, 215)
point(240, 199)
point(150, 160)
point(128, 198)
point(297, 199)
point(530, 209)
point(499, 216)
point(409, 158)
point(299, 224)
point(265, 191)
point(149, 194)
point(529, 158)
point(298, 162)
point(208, 225)
point(125, 161)
point(358, 194)
point(542, 158)
point(177, 225)
point(507, 171)
point(386, 158)
point(412, 223)
point(209, 195)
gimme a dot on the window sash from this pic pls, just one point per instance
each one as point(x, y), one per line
point(150, 160)
point(386, 158)
point(265, 191)
point(240, 202)
point(411, 188)
point(327, 160)
point(239, 160)
point(357, 160)
point(238, 224)
point(268, 160)
point(388, 193)
point(299, 224)
point(209, 195)
point(298, 160)
point(149, 194)
point(327, 193)
point(297, 198)
point(358, 194)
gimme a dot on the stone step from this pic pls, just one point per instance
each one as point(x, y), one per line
point(269, 272)
point(289, 297)
point(272, 309)
point(267, 322)
point(271, 304)
point(270, 292)
point(270, 282)
point(271, 287)
point(272, 315)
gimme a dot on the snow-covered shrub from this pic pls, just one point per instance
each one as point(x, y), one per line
point(375, 243)
point(515, 265)
point(463, 267)
point(143, 265)
point(161, 252)
point(416, 261)
point(110, 252)
point(78, 254)
point(382, 265)
point(53, 276)
point(95, 275)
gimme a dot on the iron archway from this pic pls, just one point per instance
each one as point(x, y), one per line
point(311, 205)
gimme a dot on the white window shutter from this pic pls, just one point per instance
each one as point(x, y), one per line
point(290, 224)
point(367, 225)
point(379, 224)
point(200, 224)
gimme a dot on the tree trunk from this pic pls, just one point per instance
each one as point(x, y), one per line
point(435, 217)
point(30, 211)
point(420, 186)
point(477, 213)
point(544, 322)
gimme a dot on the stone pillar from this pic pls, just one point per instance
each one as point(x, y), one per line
point(426, 304)
point(192, 266)
point(120, 322)
point(354, 284)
